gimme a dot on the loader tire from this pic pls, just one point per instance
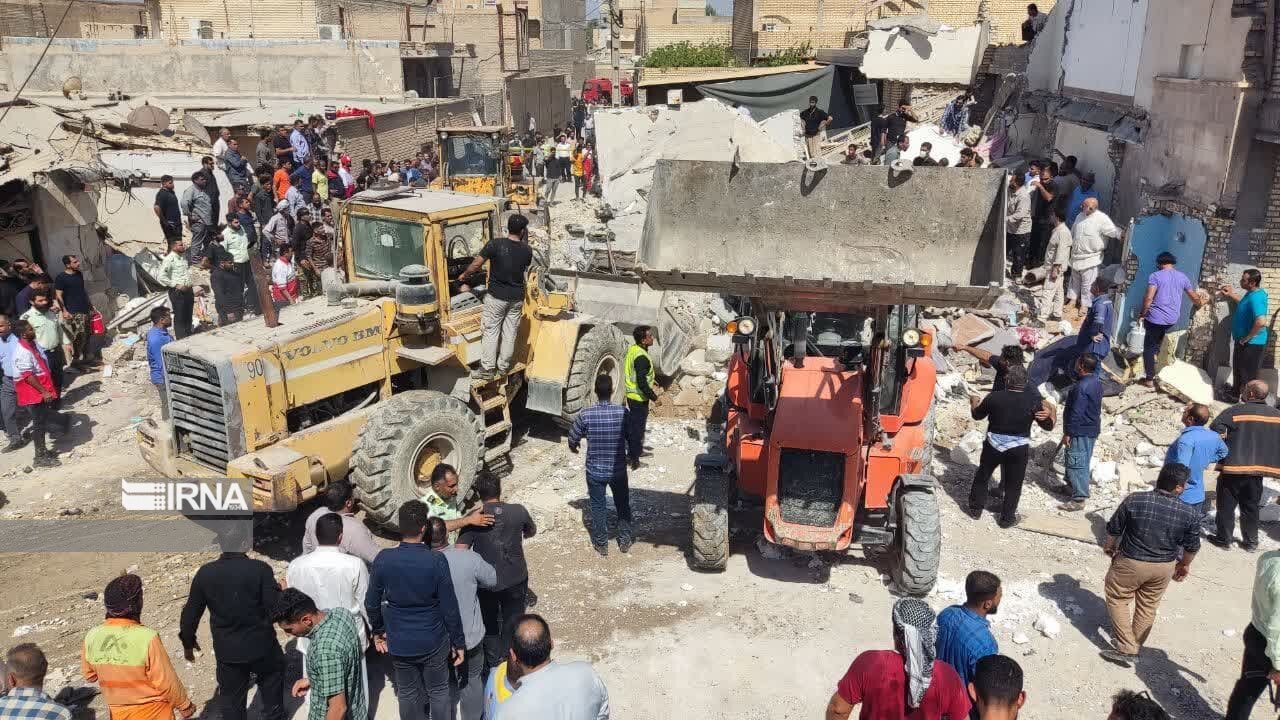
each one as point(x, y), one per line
point(600, 350)
point(709, 520)
point(405, 438)
point(917, 541)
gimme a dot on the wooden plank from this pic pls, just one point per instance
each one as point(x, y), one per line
point(1087, 527)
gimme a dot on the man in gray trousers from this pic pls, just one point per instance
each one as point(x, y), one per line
point(468, 571)
point(508, 259)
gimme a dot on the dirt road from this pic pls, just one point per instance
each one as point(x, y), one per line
point(769, 638)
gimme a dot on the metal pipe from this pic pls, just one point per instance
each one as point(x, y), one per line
point(335, 292)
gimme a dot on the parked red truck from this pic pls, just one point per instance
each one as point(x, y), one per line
point(599, 91)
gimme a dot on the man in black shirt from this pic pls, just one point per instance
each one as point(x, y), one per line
point(1009, 414)
point(502, 546)
point(1044, 191)
point(879, 134)
point(76, 309)
point(166, 209)
point(239, 593)
point(227, 283)
point(1144, 537)
point(301, 233)
point(281, 145)
point(508, 258)
point(896, 124)
point(815, 121)
point(211, 187)
point(1010, 356)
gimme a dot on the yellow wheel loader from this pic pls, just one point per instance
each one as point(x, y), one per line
point(372, 379)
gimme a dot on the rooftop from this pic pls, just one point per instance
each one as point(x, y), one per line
point(420, 200)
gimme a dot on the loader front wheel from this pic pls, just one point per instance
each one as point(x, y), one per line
point(709, 519)
point(404, 440)
point(599, 351)
point(917, 541)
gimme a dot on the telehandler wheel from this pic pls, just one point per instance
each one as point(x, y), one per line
point(710, 520)
point(404, 440)
point(917, 541)
point(599, 351)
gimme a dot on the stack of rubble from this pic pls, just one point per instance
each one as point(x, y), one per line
point(630, 141)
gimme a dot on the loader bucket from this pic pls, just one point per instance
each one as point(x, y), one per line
point(826, 240)
point(628, 302)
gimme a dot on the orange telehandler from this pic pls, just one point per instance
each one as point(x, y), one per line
point(827, 414)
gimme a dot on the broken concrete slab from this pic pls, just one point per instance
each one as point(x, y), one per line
point(695, 363)
point(719, 349)
point(971, 329)
point(1187, 382)
point(1129, 477)
point(995, 344)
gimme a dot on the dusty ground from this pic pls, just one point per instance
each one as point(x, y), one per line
point(766, 639)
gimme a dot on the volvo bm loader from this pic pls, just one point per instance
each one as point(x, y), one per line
point(371, 381)
point(826, 420)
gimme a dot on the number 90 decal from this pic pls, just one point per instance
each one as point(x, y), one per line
point(257, 368)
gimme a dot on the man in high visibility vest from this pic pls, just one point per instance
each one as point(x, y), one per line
point(128, 661)
point(640, 378)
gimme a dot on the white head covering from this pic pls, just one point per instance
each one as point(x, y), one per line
point(918, 626)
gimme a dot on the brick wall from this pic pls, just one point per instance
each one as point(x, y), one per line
point(1264, 252)
point(574, 65)
point(28, 18)
point(400, 134)
point(657, 36)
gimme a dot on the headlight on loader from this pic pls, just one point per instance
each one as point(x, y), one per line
point(911, 337)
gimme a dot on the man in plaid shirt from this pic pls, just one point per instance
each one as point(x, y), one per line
point(335, 658)
point(604, 426)
point(1152, 538)
point(25, 677)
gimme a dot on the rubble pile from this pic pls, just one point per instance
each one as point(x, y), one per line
point(630, 141)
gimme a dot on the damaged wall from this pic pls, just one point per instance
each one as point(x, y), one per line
point(209, 67)
point(1092, 148)
point(1104, 51)
point(951, 56)
point(66, 218)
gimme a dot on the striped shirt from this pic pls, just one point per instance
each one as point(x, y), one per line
point(604, 427)
point(28, 703)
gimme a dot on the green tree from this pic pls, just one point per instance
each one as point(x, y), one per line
point(686, 54)
point(794, 55)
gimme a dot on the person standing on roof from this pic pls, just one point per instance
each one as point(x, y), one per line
point(815, 121)
point(641, 384)
point(509, 258)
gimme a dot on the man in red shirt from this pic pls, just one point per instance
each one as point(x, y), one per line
point(906, 682)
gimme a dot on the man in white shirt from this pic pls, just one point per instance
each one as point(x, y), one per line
point(333, 579)
point(550, 690)
point(221, 145)
point(1057, 258)
point(1088, 241)
point(564, 151)
point(284, 279)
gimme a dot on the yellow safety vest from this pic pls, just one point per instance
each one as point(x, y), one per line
point(629, 366)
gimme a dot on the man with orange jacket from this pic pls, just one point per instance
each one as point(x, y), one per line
point(128, 661)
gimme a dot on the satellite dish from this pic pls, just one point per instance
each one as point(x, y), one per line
point(72, 86)
point(194, 128)
point(149, 118)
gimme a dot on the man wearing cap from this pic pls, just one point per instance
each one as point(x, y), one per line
point(1082, 192)
point(906, 682)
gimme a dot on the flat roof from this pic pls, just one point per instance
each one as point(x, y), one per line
point(420, 200)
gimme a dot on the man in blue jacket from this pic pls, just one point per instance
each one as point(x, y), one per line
point(422, 630)
point(1095, 331)
point(1082, 423)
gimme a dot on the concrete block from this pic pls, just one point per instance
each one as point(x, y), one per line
point(695, 363)
point(971, 329)
point(688, 397)
point(1187, 381)
point(719, 349)
point(1129, 477)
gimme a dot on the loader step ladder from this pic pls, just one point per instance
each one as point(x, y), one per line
point(494, 406)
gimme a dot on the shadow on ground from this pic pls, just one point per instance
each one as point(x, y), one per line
point(1165, 679)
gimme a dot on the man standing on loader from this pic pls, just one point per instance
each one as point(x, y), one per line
point(508, 258)
point(640, 379)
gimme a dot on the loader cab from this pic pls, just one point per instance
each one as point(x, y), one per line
point(471, 160)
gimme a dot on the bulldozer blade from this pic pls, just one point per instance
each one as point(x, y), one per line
point(826, 240)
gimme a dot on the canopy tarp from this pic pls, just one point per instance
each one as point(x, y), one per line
point(769, 95)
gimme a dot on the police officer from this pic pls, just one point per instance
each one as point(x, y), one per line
point(640, 378)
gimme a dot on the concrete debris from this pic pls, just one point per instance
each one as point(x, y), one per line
point(721, 309)
point(720, 376)
point(1187, 382)
point(697, 382)
point(1104, 473)
point(686, 587)
point(688, 397)
point(719, 349)
point(968, 449)
point(971, 329)
point(1129, 478)
point(1020, 638)
point(630, 141)
point(1228, 633)
point(1048, 626)
point(695, 363)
